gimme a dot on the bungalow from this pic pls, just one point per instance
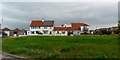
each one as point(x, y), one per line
point(6, 32)
point(75, 29)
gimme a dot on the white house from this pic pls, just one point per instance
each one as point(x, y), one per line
point(41, 27)
point(75, 29)
point(6, 31)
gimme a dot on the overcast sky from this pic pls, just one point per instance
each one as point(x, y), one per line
point(96, 14)
point(60, 0)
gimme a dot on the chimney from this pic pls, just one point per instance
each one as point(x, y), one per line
point(42, 19)
point(62, 25)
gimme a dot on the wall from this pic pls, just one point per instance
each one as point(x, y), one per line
point(60, 33)
point(76, 32)
point(7, 32)
point(41, 29)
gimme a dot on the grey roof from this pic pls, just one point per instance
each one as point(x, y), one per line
point(6, 29)
point(48, 23)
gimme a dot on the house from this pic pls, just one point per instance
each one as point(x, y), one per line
point(75, 29)
point(7, 32)
point(18, 32)
point(22, 32)
point(41, 27)
point(46, 27)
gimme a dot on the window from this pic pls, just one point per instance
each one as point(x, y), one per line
point(31, 27)
point(32, 32)
point(34, 27)
point(50, 32)
point(50, 27)
point(57, 32)
point(45, 31)
point(39, 27)
point(45, 27)
point(38, 32)
point(63, 32)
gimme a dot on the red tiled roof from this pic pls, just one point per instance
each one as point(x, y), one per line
point(75, 26)
point(41, 23)
point(66, 28)
point(36, 23)
point(79, 24)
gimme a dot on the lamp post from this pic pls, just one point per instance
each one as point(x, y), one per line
point(1, 27)
point(2, 24)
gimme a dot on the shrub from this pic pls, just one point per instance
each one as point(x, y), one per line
point(117, 31)
point(106, 32)
point(65, 49)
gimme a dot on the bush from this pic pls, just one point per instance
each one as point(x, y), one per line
point(106, 32)
point(117, 31)
point(65, 49)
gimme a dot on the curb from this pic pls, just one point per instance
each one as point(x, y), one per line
point(14, 56)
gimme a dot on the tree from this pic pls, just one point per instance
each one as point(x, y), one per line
point(117, 31)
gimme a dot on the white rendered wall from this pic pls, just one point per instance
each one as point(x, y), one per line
point(60, 33)
point(41, 29)
point(75, 32)
point(7, 32)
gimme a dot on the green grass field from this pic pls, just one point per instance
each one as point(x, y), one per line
point(91, 46)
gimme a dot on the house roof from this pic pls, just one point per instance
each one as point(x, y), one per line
point(66, 28)
point(16, 30)
point(42, 23)
point(75, 26)
point(36, 23)
point(48, 23)
point(6, 29)
point(78, 24)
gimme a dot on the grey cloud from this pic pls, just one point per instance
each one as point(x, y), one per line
point(19, 14)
